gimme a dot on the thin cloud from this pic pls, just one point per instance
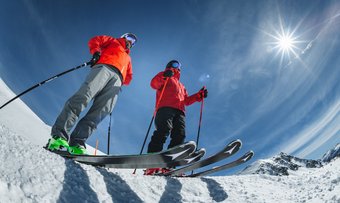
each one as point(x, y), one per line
point(325, 128)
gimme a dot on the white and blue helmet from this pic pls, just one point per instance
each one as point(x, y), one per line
point(131, 38)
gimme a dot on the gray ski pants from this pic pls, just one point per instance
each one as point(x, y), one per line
point(102, 85)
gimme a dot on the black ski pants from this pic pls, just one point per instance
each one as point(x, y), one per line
point(167, 121)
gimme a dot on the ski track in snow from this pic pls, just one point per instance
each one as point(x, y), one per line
point(31, 174)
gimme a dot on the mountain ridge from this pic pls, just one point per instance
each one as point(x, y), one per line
point(284, 164)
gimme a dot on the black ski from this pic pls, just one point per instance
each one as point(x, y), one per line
point(246, 157)
point(194, 157)
point(227, 151)
point(168, 158)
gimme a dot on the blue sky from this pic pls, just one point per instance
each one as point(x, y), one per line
point(273, 99)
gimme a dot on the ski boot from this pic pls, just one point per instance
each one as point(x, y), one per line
point(77, 150)
point(156, 171)
point(165, 170)
point(152, 171)
point(57, 143)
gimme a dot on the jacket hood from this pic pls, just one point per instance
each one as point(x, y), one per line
point(123, 43)
point(177, 73)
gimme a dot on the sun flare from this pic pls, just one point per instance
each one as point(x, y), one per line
point(286, 43)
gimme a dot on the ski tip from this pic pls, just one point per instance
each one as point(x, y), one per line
point(249, 154)
point(191, 143)
point(201, 150)
point(236, 142)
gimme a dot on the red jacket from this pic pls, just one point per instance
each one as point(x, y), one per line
point(113, 52)
point(175, 95)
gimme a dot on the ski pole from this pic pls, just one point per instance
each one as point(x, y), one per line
point(109, 135)
point(153, 117)
point(200, 122)
point(199, 126)
point(154, 114)
point(43, 82)
point(95, 151)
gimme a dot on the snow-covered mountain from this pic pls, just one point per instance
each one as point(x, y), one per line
point(284, 164)
point(28, 173)
point(332, 154)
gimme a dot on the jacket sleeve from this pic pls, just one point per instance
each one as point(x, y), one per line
point(128, 76)
point(98, 42)
point(158, 81)
point(192, 99)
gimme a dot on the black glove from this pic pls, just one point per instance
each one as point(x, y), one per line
point(95, 58)
point(168, 73)
point(204, 92)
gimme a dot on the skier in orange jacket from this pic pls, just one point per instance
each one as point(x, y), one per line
point(111, 68)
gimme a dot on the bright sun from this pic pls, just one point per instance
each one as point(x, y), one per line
point(286, 43)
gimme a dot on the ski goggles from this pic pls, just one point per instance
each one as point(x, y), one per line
point(174, 64)
point(131, 38)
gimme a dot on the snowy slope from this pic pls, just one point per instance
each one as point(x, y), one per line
point(22, 120)
point(18, 117)
point(29, 173)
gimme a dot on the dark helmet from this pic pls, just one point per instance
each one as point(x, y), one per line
point(174, 64)
point(131, 38)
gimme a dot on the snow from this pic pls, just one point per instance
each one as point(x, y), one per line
point(18, 117)
point(28, 173)
point(335, 152)
point(282, 164)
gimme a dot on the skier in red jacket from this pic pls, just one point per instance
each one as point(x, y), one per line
point(170, 116)
point(111, 68)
